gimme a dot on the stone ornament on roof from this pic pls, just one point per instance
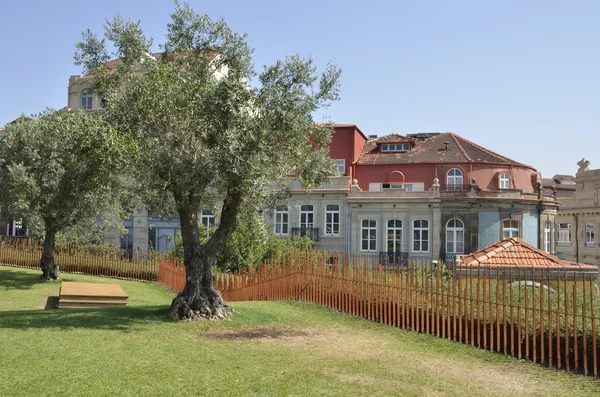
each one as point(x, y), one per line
point(583, 164)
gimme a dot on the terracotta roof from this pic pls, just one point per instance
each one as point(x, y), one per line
point(396, 138)
point(431, 148)
point(565, 177)
point(547, 183)
point(515, 252)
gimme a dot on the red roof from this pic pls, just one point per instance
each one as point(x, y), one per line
point(432, 148)
point(515, 252)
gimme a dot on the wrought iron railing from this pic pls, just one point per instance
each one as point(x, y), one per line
point(312, 232)
point(394, 259)
point(455, 187)
point(449, 259)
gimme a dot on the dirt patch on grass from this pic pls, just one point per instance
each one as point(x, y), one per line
point(319, 341)
point(6, 303)
point(255, 333)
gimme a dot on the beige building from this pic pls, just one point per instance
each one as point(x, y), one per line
point(579, 217)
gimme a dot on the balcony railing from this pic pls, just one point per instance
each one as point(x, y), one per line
point(449, 259)
point(394, 259)
point(312, 232)
point(455, 187)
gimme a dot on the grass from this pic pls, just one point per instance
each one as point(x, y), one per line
point(266, 349)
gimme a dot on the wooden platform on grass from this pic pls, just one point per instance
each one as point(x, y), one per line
point(76, 295)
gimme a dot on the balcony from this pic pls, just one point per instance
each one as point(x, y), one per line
point(455, 187)
point(312, 232)
point(449, 259)
point(394, 259)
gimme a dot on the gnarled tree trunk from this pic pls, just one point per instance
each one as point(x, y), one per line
point(49, 267)
point(199, 299)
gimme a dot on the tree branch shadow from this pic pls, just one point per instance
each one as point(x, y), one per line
point(15, 278)
point(124, 318)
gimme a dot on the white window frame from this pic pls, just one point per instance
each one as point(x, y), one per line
point(88, 96)
point(563, 234)
point(395, 147)
point(420, 230)
point(341, 166)
point(306, 214)
point(512, 230)
point(454, 178)
point(548, 236)
point(590, 235)
point(281, 220)
point(207, 218)
point(396, 234)
point(504, 181)
point(370, 226)
point(454, 231)
point(330, 221)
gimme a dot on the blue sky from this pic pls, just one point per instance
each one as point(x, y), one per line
point(518, 77)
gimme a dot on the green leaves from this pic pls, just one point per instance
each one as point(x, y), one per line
point(63, 167)
point(204, 133)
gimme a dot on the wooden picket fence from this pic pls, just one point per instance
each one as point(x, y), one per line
point(86, 259)
point(547, 316)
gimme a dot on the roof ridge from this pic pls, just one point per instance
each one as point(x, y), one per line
point(462, 150)
point(491, 153)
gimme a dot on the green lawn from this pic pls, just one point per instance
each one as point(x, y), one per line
point(267, 349)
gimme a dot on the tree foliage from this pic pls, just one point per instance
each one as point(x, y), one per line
point(211, 130)
point(59, 169)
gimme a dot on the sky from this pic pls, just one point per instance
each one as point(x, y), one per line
point(518, 77)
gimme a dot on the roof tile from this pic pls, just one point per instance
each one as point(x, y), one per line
point(515, 252)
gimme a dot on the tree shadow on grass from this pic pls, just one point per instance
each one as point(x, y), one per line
point(125, 319)
point(15, 278)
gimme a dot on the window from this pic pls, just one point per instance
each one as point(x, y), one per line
point(455, 237)
point(332, 220)
point(86, 99)
point(564, 234)
point(394, 236)
point(589, 235)
point(282, 221)
point(207, 218)
point(454, 179)
point(368, 232)
point(420, 235)
point(504, 181)
point(395, 147)
point(341, 166)
point(410, 187)
point(510, 229)
point(307, 216)
point(547, 236)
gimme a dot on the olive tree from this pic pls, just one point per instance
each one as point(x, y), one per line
point(62, 169)
point(212, 132)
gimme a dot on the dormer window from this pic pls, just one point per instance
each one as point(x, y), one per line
point(86, 99)
point(504, 181)
point(395, 147)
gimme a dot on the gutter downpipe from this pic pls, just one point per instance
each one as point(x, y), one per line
point(577, 238)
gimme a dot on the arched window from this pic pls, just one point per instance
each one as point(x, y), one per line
point(454, 179)
point(420, 235)
point(504, 181)
point(86, 99)
point(282, 221)
point(455, 236)
point(307, 216)
point(547, 238)
point(368, 234)
point(394, 236)
point(510, 228)
point(332, 220)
